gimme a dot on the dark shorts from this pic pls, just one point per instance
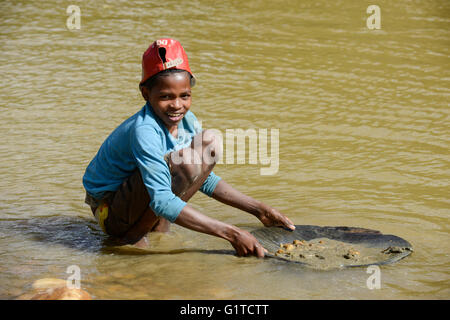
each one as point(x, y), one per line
point(118, 211)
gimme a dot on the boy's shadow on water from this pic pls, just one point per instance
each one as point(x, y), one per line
point(82, 233)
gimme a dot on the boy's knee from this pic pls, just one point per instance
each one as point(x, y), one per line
point(190, 166)
point(203, 153)
point(211, 143)
point(184, 175)
point(189, 173)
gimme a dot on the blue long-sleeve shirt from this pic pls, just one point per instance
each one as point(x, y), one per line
point(141, 142)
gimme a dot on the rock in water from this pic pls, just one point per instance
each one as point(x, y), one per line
point(54, 289)
point(48, 283)
point(62, 293)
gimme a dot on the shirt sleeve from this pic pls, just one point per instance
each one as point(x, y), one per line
point(210, 184)
point(147, 148)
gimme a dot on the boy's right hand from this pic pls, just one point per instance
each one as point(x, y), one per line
point(246, 244)
point(242, 241)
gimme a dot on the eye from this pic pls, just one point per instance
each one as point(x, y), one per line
point(186, 96)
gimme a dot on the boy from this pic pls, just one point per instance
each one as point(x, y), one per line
point(153, 163)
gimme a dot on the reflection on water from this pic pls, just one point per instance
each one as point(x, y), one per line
point(362, 116)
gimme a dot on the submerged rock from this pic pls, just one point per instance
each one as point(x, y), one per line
point(54, 289)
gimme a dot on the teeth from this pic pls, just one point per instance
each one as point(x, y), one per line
point(173, 114)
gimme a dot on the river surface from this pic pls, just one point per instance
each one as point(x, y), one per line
point(362, 116)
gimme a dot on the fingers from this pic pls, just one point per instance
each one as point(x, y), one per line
point(289, 224)
point(248, 245)
point(285, 221)
point(280, 220)
point(259, 251)
point(240, 252)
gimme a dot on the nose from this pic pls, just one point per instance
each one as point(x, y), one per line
point(177, 104)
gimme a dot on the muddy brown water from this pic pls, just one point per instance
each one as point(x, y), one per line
point(363, 139)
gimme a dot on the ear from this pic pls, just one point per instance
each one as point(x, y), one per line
point(144, 91)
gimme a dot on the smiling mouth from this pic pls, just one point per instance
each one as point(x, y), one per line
point(174, 116)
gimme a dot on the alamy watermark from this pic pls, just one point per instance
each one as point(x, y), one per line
point(235, 143)
point(374, 20)
point(374, 280)
point(73, 22)
point(73, 281)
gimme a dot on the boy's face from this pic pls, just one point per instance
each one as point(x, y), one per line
point(170, 98)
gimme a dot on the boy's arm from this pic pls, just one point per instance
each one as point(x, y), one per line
point(243, 241)
point(268, 215)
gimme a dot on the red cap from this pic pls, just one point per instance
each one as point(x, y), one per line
point(165, 53)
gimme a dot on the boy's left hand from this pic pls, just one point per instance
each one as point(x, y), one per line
point(271, 217)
